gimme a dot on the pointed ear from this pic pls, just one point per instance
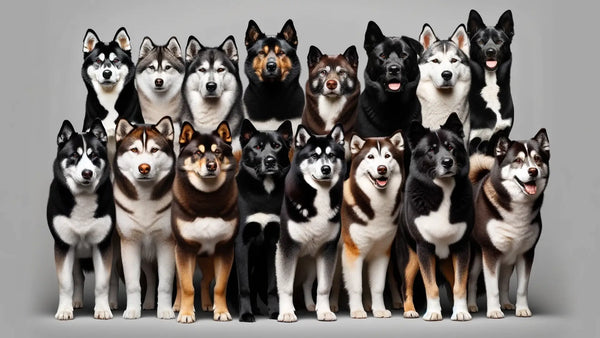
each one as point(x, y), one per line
point(285, 130)
point(502, 147)
point(89, 41)
point(288, 33)
point(253, 33)
point(416, 133)
point(65, 133)
point(192, 49)
point(397, 140)
point(224, 132)
point(302, 136)
point(460, 38)
point(122, 38)
point(427, 36)
point(474, 23)
point(122, 129)
point(187, 132)
point(97, 129)
point(337, 134)
point(247, 131)
point(542, 138)
point(356, 144)
point(352, 56)
point(229, 47)
point(174, 46)
point(454, 125)
point(414, 44)
point(506, 23)
point(373, 36)
point(165, 127)
point(146, 47)
point(314, 56)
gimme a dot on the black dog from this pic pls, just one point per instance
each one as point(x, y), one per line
point(261, 182)
point(490, 101)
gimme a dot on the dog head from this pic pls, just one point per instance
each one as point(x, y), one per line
point(378, 160)
point(160, 69)
point(490, 45)
point(107, 65)
point(444, 62)
point(144, 152)
point(321, 159)
point(524, 165)
point(81, 161)
point(392, 61)
point(332, 76)
point(272, 59)
point(439, 153)
point(265, 153)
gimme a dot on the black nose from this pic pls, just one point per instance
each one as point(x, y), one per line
point(490, 52)
point(271, 66)
point(211, 166)
point(382, 170)
point(270, 161)
point(107, 74)
point(446, 75)
point(87, 174)
point(211, 86)
point(447, 163)
point(393, 69)
point(533, 172)
point(159, 82)
point(326, 170)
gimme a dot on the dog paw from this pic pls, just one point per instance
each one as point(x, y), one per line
point(311, 307)
point(382, 313)
point(432, 316)
point(247, 318)
point(102, 313)
point(132, 313)
point(114, 305)
point(274, 315)
point(508, 306)
point(495, 314)
point(358, 314)
point(207, 307)
point(334, 307)
point(77, 304)
point(165, 313)
point(327, 316)
point(176, 307)
point(367, 306)
point(288, 317)
point(186, 317)
point(222, 316)
point(461, 316)
point(411, 314)
point(523, 312)
point(64, 314)
point(473, 308)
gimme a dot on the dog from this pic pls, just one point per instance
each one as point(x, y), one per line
point(144, 170)
point(445, 78)
point(204, 216)
point(310, 217)
point(212, 88)
point(81, 217)
point(370, 214)
point(332, 91)
point(437, 218)
point(389, 100)
point(509, 191)
point(490, 100)
point(273, 94)
point(261, 182)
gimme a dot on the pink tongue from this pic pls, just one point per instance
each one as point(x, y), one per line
point(381, 183)
point(531, 189)
point(491, 64)
point(394, 86)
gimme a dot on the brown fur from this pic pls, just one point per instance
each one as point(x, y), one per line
point(283, 62)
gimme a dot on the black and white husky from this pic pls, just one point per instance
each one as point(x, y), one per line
point(445, 78)
point(509, 190)
point(144, 173)
point(310, 217)
point(81, 217)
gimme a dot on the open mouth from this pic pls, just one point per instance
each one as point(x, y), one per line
point(331, 94)
point(529, 188)
point(394, 85)
point(322, 179)
point(491, 64)
point(380, 182)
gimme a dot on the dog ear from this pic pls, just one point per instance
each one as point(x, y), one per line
point(314, 56)
point(192, 49)
point(337, 134)
point(397, 140)
point(474, 23)
point(97, 129)
point(224, 132)
point(65, 133)
point(288, 33)
point(187, 132)
point(542, 138)
point(165, 127)
point(302, 136)
point(122, 39)
point(506, 23)
point(414, 44)
point(174, 46)
point(460, 38)
point(416, 133)
point(285, 130)
point(356, 144)
point(373, 36)
point(253, 34)
point(89, 41)
point(427, 36)
point(502, 147)
point(229, 47)
point(247, 130)
point(352, 56)
point(146, 47)
point(122, 129)
point(454, 125)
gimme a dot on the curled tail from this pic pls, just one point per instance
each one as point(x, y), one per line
point(480, 165)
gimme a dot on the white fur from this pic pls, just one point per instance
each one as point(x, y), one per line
point(268, 184)
point(208, 231)
point(166, 101)
point(489, 93)
point(262, 219)
point(330, 109)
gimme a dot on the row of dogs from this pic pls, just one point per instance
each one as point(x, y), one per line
point(367, 168)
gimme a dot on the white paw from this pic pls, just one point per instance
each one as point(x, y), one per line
point(382, 313)
point(311, 307)
point(102, 313)
point(288, 317)
point(186, 318)
point(165, 313)
point(432, 316)
point(327, 316)
point(132, 313)
point(358, 314)
point(64, 314)
point(473, 308)
point(508, 306)
point(495, 314)
point(523, 312)
point(461, 316)
point(411, 314)
point(222, 316)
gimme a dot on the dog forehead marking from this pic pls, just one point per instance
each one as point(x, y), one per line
point(319, 151)
point(102, 57)
point(213, 147)
point(202, 148)
point(112, 56)
point(328, 150)
point(79, 151)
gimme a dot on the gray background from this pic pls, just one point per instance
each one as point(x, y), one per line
point(554, 84)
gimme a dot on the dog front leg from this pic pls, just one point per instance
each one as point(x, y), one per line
point(185, 262)
point(165, 258)
point(427, 265)
point(325, 262)
point(131, 256)
point(524, 264)
point(460, 263)
point(64, 261)
point(491, 273)
point(285, 270)
point(102, 268)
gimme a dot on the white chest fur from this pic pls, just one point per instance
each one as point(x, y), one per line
point(436, 228)
point(489, 93)
point(330, 109)
point(262, 219)
point(438, 104)
point(515, 234)
point(207, 231)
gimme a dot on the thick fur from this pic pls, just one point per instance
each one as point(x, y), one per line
point(490, 100)
point(437, 217)
point(144, 169)
point(509, 191)
point(81, 217)
point(310, 217)
point(261, 181)
point(370, 214)
point(204, 218)
point(274, 93)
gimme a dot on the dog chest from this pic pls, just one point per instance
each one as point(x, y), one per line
point(207, 231)
point(262, 218)
point(330, 109)
point(81, 228)
point(512, 238)
point(489, 93)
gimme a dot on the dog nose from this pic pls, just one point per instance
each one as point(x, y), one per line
point(159, 82)
point(211, 166)
point(270, 161)
point(211, 86)
point(382, 170)
point(107, 74)
point(326, 170)
point(87, 174)
point(271, 66)
point(490, 52)
point(446, 75)
point(144, 168)
point(332, 84)
point(447, 163)
point(533, 172)
point(393, 69)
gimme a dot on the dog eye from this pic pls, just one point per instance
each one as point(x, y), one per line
point(276, 145)
point(153, 150)
point(220, 69)
point(198, 153)
point(518, 160)
point(115, 60)
point(370, 156)
point(314, 156)
point(480, 42)
point(167, 67)
point(331, 155)
point(217, 152)
point(387, 155)
point(93, 156)
point(383, 56)
point(323, 72)
point(202, 70)
point(403, 55)
point(74, 156)
point(449, 147)
point(342, 72)
point(453, 60)
point(435, 61)
point(152, 68)
point(537, 159)
point(280, 53)
point(134, 150)
point(257, 147)
point(98, 61)
point(262, 53)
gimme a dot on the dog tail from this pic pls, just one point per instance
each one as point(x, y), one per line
point(480, 165)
